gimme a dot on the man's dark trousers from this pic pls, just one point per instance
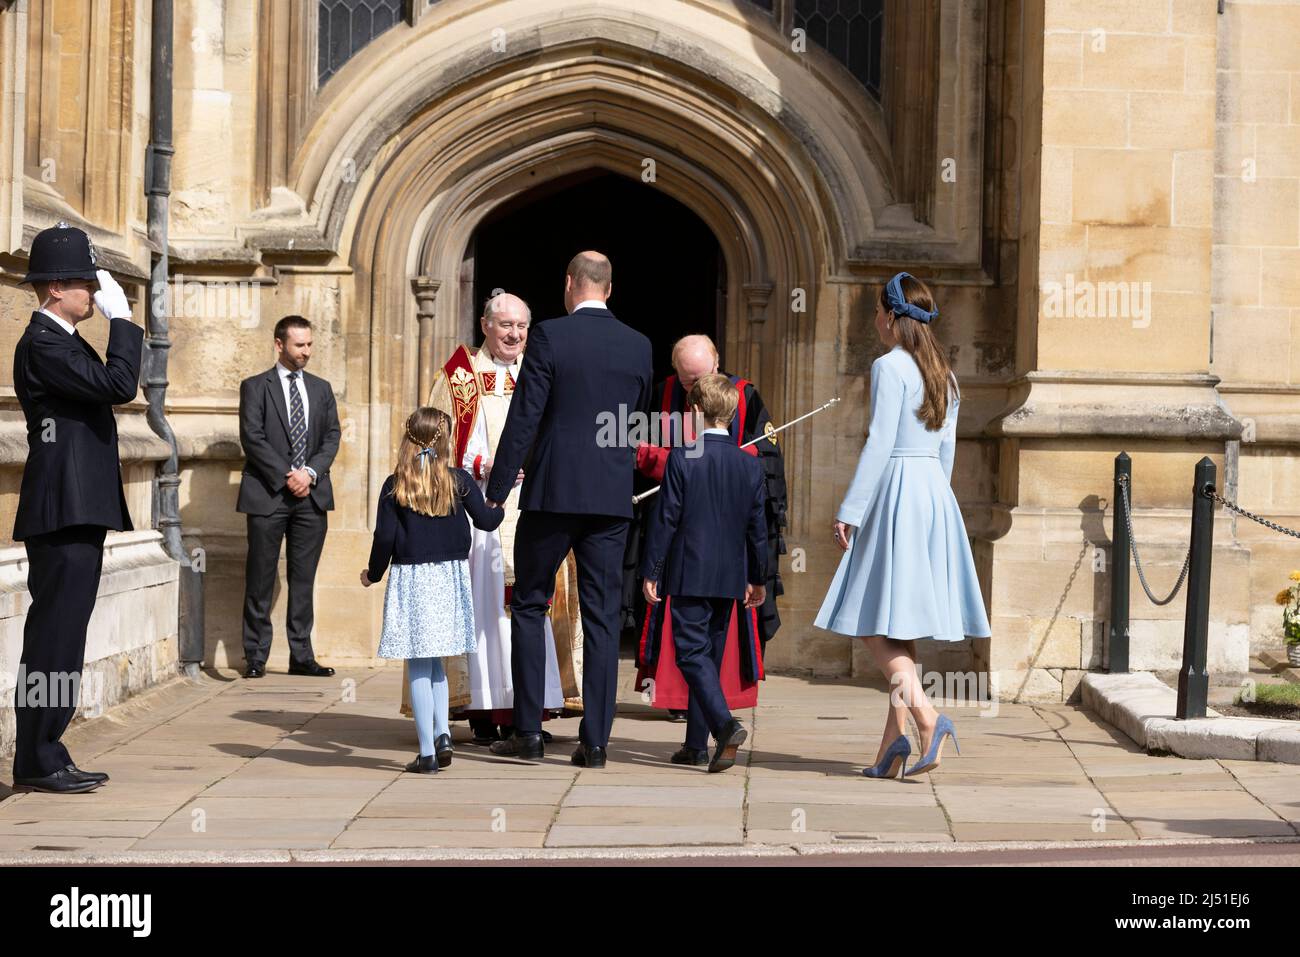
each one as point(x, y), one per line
point(63, 578)
point(542, 540)
point(699, 639)
point(304, 525)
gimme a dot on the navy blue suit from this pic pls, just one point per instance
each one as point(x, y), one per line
point(710, 529)
point(581, 377)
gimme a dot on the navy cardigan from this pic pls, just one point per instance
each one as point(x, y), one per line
point(405, 537)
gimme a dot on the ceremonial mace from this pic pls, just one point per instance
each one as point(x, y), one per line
point(638, 499)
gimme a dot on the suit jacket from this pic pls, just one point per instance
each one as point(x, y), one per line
point(264, 434)
point(67, 393)
point(708, 535)
point(581, 378)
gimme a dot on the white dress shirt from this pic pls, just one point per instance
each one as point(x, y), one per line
point(302, 391)
point(72, 330)
point(591, 304)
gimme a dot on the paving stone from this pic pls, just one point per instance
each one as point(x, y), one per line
point(564, 835)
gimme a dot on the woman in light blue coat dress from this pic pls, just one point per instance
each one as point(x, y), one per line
point(907, 570)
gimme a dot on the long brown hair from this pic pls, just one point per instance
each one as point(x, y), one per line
point(424, 483)
point(920, 342)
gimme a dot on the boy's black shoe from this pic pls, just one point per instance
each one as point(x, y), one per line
point(527, 747)
point(691, 756)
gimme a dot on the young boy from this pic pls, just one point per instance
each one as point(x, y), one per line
point(710, 532)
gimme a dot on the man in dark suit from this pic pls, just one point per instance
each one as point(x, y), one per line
point(289, 428)
point(578, 373)
point(710, 526)
point(71, 490)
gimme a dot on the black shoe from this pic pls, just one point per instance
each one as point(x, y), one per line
point(527, 747)
point(424, 764)
point(676, 716)
point(62, 781)
point(588, 757)
point(254, 670)
point(443, 750)
point(547, 737)
point(485, 732)
point(99, 776)
point(311, 669)
point(730, 738)
point(691, 756)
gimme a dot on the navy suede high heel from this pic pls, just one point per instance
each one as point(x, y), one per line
point(931, 758)
point(897, 751)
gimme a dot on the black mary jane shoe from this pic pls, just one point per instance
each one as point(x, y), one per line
point(692, 756)
point(424, 764)
point(443, 750)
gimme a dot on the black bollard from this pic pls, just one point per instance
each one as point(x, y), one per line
point(1193, 680)
point(1117, 649)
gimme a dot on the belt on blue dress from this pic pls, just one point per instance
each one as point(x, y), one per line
point(914, 454)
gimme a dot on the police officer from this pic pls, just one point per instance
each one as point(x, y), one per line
point(71, 489)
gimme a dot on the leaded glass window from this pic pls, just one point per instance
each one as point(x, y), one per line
point(345, 26)
point(852, 31)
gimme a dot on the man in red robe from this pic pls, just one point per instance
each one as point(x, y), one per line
point(658, 677)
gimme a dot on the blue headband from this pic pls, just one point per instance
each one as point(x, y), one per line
point(898, 303)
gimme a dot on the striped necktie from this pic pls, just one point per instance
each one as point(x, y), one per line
point(297, 424)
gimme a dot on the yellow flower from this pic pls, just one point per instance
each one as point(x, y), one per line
point(1295, 576)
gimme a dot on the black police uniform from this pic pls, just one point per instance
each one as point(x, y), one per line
point(71, 495)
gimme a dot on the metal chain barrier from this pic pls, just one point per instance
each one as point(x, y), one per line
point(1137, 561)
point(1233, 506)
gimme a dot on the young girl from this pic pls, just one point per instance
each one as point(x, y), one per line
point(907, 571)
point(423, 530)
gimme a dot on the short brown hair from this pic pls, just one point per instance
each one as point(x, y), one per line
point(290, 322)
point(590, 269)
point(716, 397)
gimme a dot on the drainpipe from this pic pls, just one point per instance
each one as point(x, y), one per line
point(166, 500)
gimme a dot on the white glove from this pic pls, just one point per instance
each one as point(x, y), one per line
point(110, 299)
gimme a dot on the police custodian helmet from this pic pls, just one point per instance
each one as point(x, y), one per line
point(61, 252)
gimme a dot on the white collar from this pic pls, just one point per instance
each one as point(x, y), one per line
point(72, 330)
point(715, 431)
point(286, 372)
point(591, 304)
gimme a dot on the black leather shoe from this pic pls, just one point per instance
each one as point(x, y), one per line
point(311, 669)
point(588, 757)
point(61, 781)
point(676, 716)
point(485, 732)
point(443, 750)
point(424, 764)
point(527, 747)
point(730, 738)
point(691, 756)
point(547, 737)
point(99, 776)
point(254, 670)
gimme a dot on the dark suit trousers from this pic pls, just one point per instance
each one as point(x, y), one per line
point(700, 638)
point(63, 577)
point(542, 540)
point(304, 525)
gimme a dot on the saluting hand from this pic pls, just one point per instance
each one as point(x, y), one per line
point(110, 298)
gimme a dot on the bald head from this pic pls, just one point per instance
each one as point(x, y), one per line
point(693, 357)
point(505, 326)
point(589, 276)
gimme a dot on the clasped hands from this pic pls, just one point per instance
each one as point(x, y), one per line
point(486, 469)
point(755, 595)
point(299, 481)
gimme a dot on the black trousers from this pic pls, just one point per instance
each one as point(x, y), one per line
point(700, 638)
point(542, 540)
point(62, 577)
point(304, 525)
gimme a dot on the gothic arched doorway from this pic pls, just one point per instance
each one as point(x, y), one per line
point(669, 271)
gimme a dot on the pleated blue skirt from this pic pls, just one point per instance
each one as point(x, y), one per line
point(908, 572)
